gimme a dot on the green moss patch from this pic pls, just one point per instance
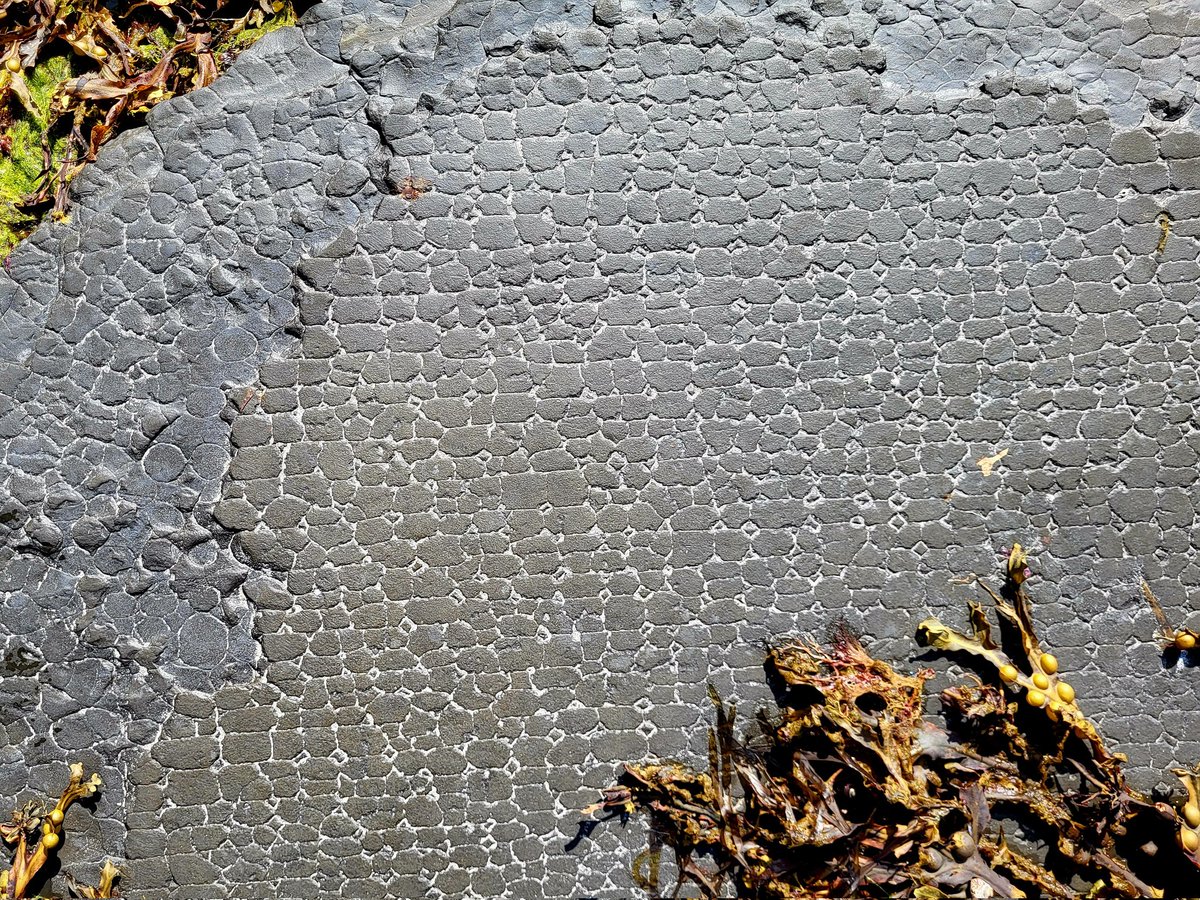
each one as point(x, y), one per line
point(73, 75)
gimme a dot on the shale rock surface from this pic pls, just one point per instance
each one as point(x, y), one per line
point(354, 532)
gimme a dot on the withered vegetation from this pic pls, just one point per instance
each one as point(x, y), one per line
point(849, 790)
point(414, 188)
point(1173, 641)
point(34, 834)
point(75, 72)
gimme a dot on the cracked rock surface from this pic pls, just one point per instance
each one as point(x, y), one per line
point(355, 535)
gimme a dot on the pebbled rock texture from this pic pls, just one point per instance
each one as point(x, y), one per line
point(356, 536)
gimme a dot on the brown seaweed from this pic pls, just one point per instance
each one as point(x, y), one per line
point(34, 834)
point(852, 791)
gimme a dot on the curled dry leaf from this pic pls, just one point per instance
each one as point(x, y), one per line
point(1164, 231)
point(848, 790)
point(105, 888)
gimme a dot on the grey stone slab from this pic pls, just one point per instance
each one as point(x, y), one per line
point(693, 341)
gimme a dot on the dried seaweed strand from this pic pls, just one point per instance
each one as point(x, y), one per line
point(851, 792)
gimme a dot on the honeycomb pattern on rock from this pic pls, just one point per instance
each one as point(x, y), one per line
point(1138, 61)
point(127, 334)
point(630, 391)
point(357, 537)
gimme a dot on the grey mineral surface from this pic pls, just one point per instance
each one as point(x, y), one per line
point(355, 535)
